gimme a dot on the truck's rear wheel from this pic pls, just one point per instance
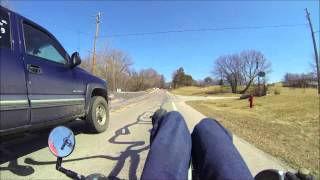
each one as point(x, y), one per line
point(98, 115)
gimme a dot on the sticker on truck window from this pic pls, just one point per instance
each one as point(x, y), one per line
point(4, 30)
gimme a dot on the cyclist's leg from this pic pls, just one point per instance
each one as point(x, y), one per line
point(170, 149)
point(213, 154)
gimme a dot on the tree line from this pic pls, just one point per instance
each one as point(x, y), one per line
point(115, 66)
point(237, 69)
point(300, 80)
point(242, 70)
point(180, 79)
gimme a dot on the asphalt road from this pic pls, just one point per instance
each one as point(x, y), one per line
point(119, 152)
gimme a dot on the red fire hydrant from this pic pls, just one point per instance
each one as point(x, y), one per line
point(250, 101)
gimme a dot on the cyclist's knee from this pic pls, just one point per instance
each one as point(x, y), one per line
point(208, 124)
point(174, 117)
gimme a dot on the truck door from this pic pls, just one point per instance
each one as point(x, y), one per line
point(50, 80)
point(14, 104)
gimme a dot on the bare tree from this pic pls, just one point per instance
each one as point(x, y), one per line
point(115, 66)
point(162, 82)
point(86, 64)
point(241, 69)
point(152, 78)
point(253, 62)
point(228, 68)
point(313, 66)
point(136, 81)
point(299, 80)
point(146, 78)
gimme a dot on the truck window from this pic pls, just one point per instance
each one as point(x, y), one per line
point(4, 30)
point(39, 44)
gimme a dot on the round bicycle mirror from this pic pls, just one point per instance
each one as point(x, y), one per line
point(61, 141)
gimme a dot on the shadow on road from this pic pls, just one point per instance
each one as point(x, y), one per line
point(14, 147)
point(132, 151)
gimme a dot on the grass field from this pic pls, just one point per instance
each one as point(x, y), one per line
point(284, 125)
point(204, 91)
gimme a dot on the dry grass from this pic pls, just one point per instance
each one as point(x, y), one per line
point(204, 91)
point(285, 125)
point(149, 90)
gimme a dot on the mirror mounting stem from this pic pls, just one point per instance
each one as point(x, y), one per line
point(67, 172)
point(59, 162)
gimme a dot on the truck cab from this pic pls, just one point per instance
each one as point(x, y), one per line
point(41, 85)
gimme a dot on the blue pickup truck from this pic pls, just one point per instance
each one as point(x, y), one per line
point(41, 85)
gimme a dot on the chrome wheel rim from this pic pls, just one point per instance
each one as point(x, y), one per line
point(101, 114)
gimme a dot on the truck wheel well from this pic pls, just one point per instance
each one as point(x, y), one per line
point(100, 92)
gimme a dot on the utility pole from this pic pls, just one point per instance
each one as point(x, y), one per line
point(93, 67)
point(315, 49)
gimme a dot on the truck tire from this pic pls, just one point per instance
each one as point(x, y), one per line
point(98, 115)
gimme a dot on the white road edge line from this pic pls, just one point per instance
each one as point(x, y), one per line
point(174, 106)
point(190, 172)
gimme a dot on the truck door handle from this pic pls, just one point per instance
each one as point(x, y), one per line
point(34, 69)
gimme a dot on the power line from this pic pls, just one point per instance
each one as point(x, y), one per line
point(202, 30)
point(64, 26)
point(69, 28)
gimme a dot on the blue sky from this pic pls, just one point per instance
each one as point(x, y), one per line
point(288, 48)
